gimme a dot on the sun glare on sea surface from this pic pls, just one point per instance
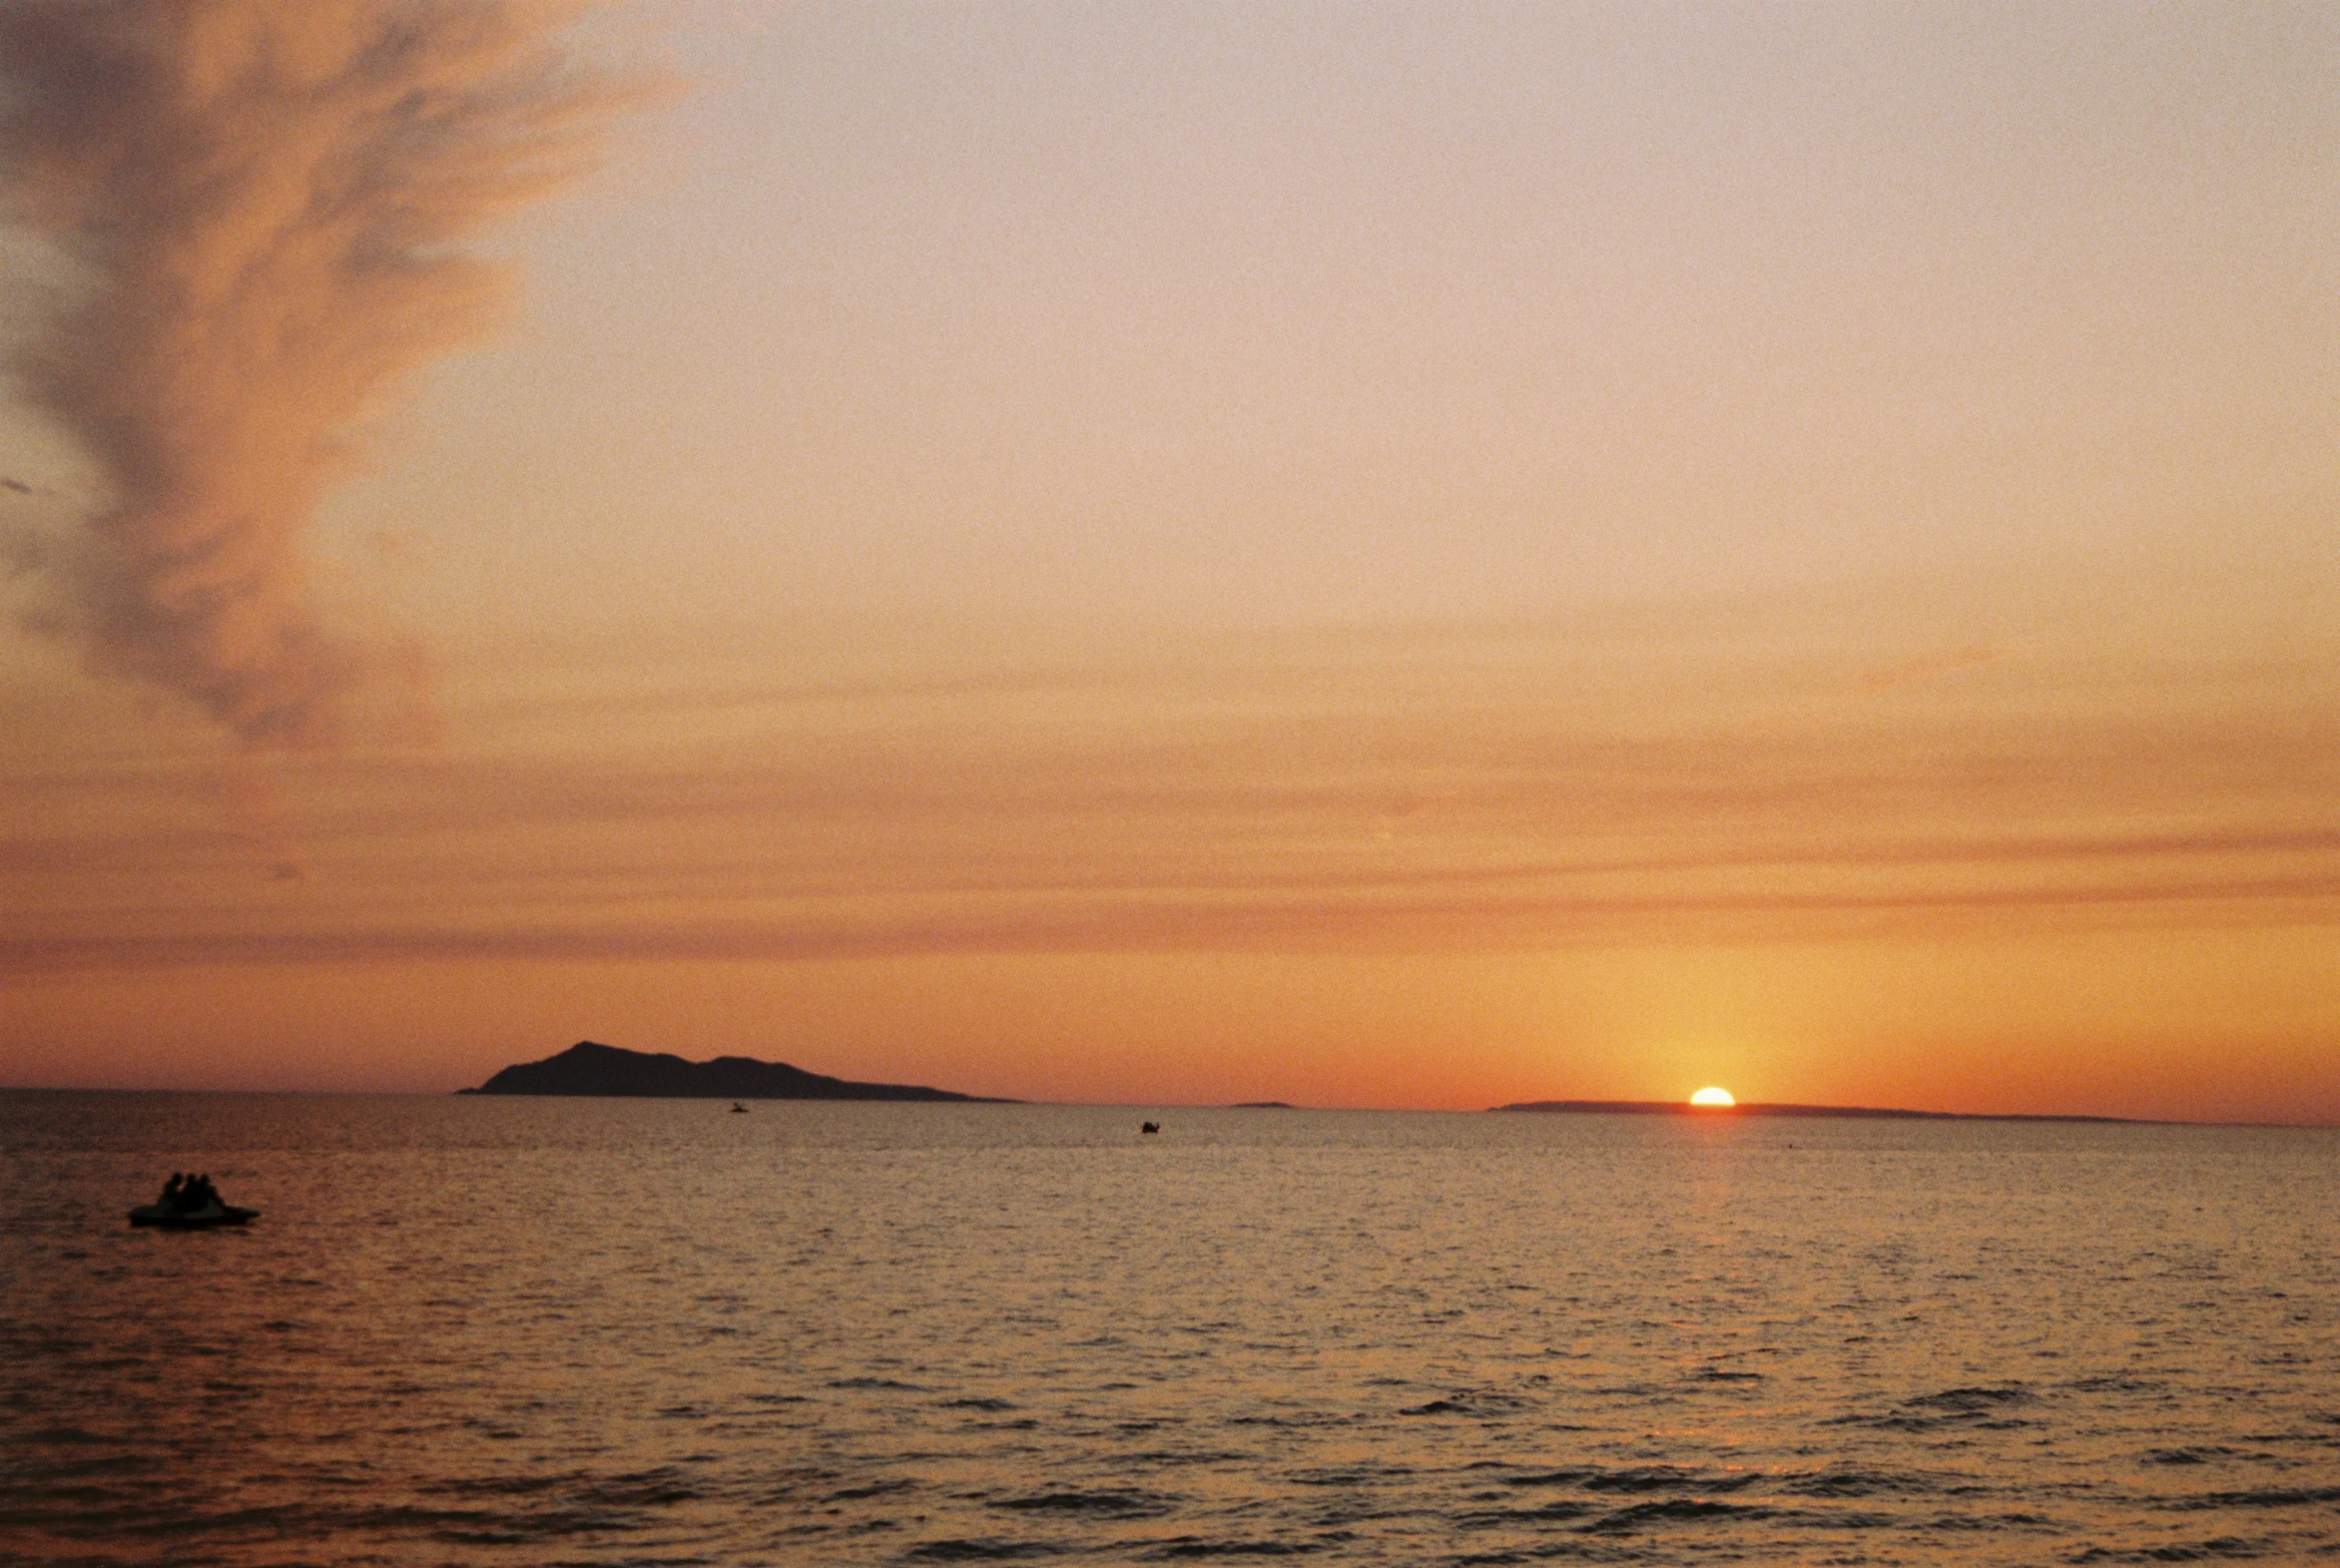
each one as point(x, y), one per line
point(1712, 1096)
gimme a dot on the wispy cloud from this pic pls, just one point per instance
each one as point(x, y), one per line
point(263, 200)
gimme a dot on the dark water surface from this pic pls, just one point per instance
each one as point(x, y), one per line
point(651, 1332)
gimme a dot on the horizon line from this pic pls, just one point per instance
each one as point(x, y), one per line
point(1776, 1109)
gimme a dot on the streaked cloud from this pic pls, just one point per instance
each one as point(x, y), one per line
point(1928, 669)
point(1454, 788)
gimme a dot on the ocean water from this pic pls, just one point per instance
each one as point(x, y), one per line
point(532, 1332)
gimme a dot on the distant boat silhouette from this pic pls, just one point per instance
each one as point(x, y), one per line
point(189, 1204)
point(1149, 1127)
point(738, 1108)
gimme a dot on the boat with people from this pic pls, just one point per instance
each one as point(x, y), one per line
point(191, 1203)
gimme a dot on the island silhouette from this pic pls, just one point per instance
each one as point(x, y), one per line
point(590, 1068)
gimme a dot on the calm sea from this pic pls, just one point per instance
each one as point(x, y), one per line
point(533, 1332)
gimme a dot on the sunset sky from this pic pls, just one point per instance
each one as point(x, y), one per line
point(1366, 555)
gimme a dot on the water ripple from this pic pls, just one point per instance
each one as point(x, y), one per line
point(861, 1335)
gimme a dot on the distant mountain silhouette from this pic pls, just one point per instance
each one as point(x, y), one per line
point(587, 1068)
point(1683, 1108)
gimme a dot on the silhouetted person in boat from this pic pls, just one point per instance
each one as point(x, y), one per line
point(197, 1193)
point(171, 1188)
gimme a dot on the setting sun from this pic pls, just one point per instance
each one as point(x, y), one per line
point(1710, 1096)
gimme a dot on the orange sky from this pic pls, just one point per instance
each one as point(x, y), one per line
point(1349, 555)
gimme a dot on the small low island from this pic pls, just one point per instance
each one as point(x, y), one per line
point(590, 1068)
point(1727, 1108)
